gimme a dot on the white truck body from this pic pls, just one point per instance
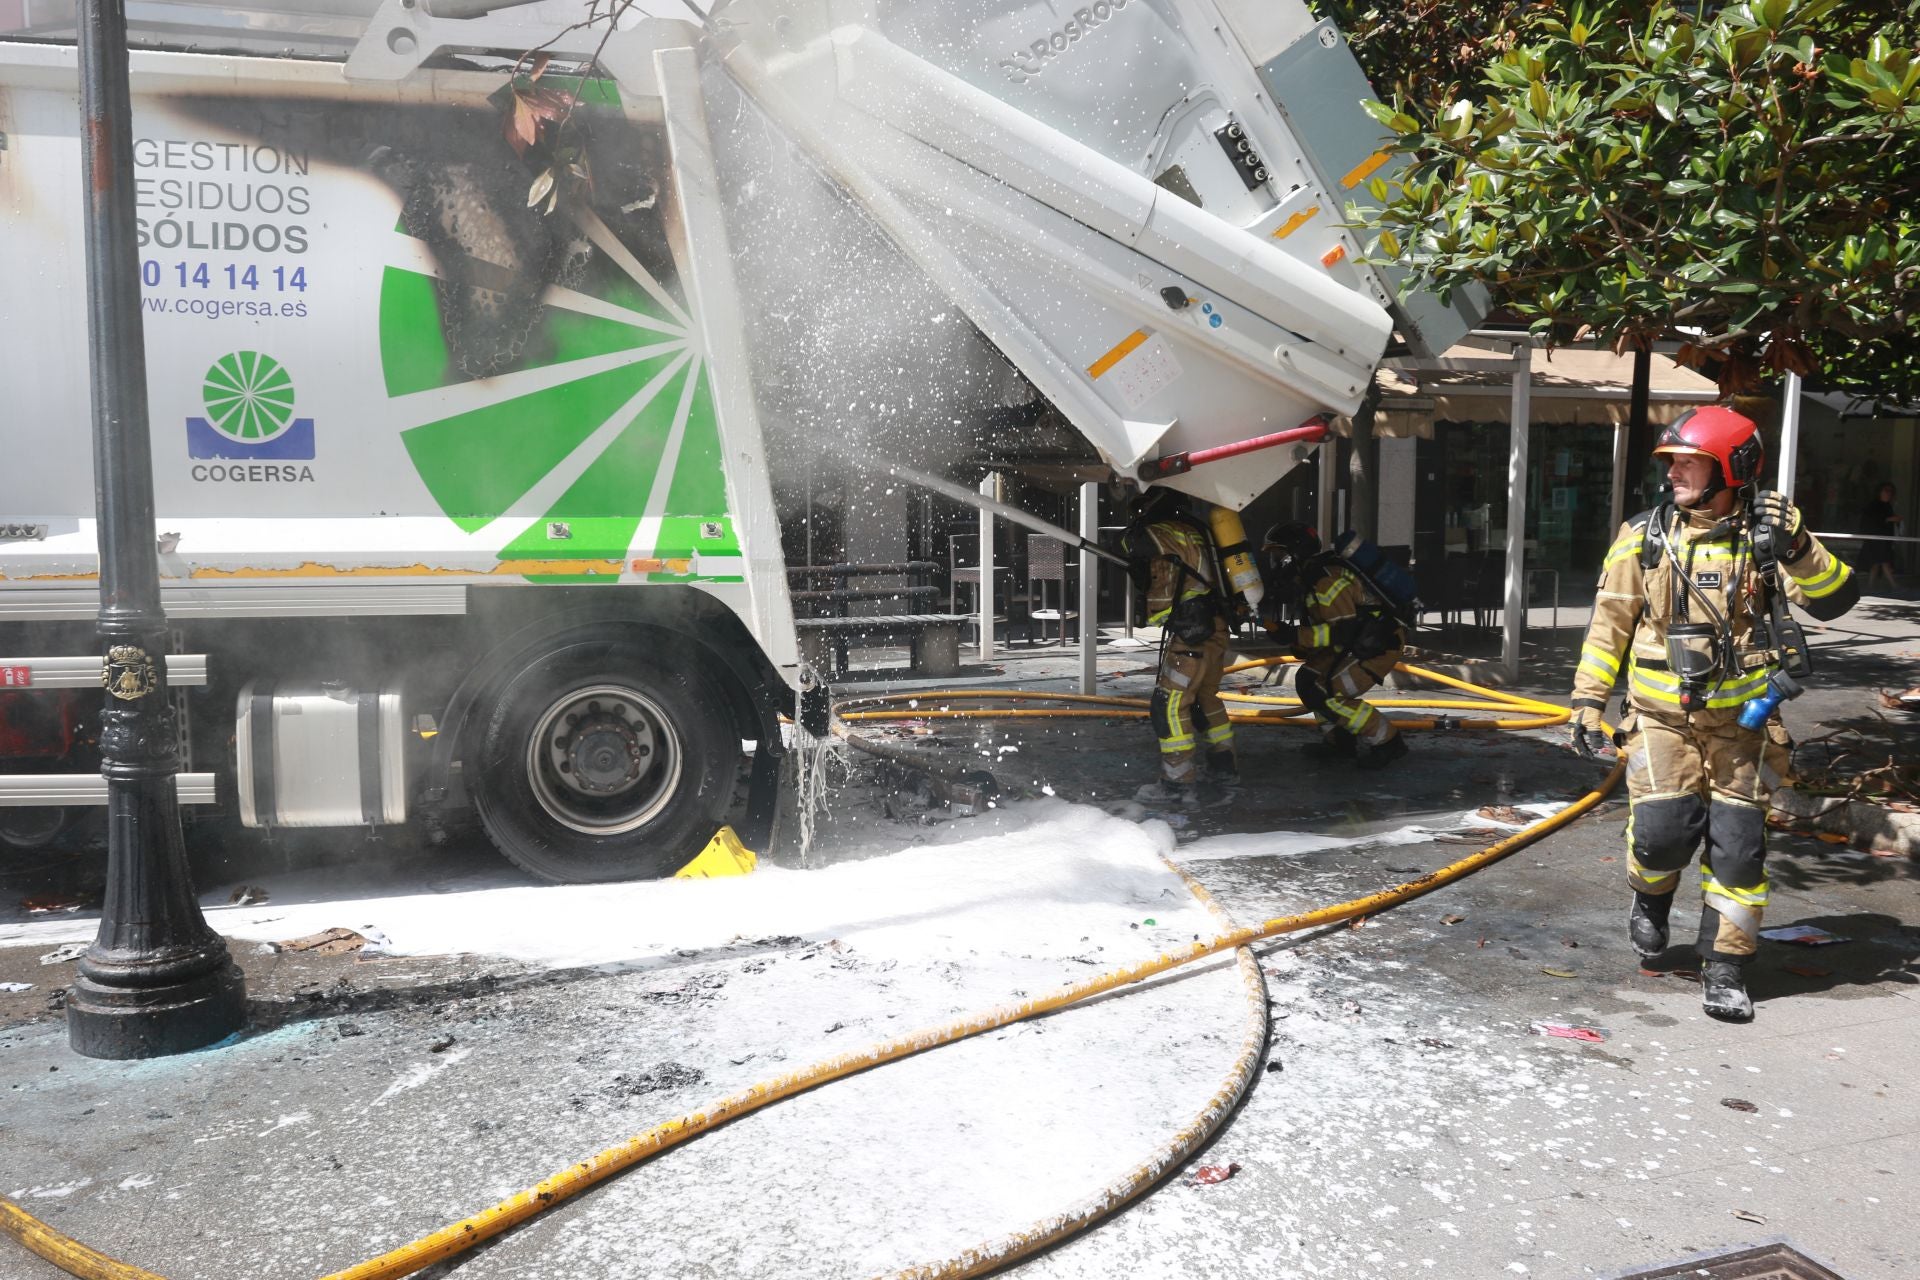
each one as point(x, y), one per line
point(384, 390)
point(379, 460)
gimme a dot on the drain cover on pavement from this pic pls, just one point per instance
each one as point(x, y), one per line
point(1768, 1262)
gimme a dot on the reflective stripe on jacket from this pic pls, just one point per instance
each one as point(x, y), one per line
point(1337, 595)
point(1171, 544)
point(1633, 609)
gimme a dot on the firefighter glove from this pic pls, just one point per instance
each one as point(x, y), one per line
point(1378, 634)
point(1588, 736)
point(1192, 620)
point(1774, 511)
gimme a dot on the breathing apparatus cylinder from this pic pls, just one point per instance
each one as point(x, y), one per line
point(1236, 555)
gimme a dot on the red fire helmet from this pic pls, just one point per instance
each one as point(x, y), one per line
point(1717, 432)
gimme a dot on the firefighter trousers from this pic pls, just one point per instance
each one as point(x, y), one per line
point(1706, 787)
point(1187, 713)
point(1333, 687)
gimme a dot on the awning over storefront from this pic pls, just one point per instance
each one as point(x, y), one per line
point(1843, 405)
point(1571, 386)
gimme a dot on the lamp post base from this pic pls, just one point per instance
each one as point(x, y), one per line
point(151, 1022)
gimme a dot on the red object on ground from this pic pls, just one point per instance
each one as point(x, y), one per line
point(1212, 1173)
point(1692, 975)
point(1313, 430)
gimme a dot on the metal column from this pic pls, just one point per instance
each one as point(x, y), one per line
point(1789, 436)
point(1617, 496)
point(1516, 610)
point(983, 598)
point(1329, 474)
point(1089, 588)
point(157, 980)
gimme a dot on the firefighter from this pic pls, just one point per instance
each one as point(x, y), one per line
point(1347, 640)
point(1692, 603)
point(1171, 557)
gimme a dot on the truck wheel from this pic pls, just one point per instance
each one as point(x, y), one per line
point(601, 763)
point(31, 828)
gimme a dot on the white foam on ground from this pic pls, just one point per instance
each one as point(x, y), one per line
point(1291, 844)
point(1046, 878)
point(883, 1170)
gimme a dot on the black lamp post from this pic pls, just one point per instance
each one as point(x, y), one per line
point(157, 980)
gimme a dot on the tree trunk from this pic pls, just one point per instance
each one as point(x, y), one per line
point(1640, 433)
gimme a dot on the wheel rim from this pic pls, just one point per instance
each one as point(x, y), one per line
point(603, 760)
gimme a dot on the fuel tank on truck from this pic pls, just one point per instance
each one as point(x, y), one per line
point(1118, 195)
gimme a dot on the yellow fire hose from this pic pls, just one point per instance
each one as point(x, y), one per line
point(79, 1260)
point(991, 1255)
point(1082, 706)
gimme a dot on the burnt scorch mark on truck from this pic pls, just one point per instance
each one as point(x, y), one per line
point(463, 195)
point(496, 256)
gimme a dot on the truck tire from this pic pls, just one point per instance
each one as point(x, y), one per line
point(28, 829)
point(600, 761)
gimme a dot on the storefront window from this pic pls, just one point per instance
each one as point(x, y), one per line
point(1463, 505)
point(1843, 463)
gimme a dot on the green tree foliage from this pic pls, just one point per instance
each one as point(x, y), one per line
point(1430, 51)
point(1745, 177)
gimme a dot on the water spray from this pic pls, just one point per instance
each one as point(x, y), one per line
point(960, 493)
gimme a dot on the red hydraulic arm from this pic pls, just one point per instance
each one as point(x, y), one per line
point(1313, 431)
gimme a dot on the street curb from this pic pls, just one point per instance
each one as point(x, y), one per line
point(1866, 825)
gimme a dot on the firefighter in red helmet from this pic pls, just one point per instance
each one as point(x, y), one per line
point(1692, 612)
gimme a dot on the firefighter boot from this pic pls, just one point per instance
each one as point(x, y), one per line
point(1222, 770)
point(1647, 922)
point(1723, 992)
point(1381, 755)
point(1163, 791)
point(1332, 744)
point(1200, 794)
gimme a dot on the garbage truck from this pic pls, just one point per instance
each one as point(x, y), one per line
point(464, 497)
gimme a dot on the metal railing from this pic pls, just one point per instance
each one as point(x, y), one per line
point(1861, 537)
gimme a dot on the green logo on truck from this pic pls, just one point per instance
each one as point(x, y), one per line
point(249, 401)
point(249, 396)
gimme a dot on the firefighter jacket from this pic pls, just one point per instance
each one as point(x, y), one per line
point(1175, 557)
point(1643, 593)
point(1343, 614)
